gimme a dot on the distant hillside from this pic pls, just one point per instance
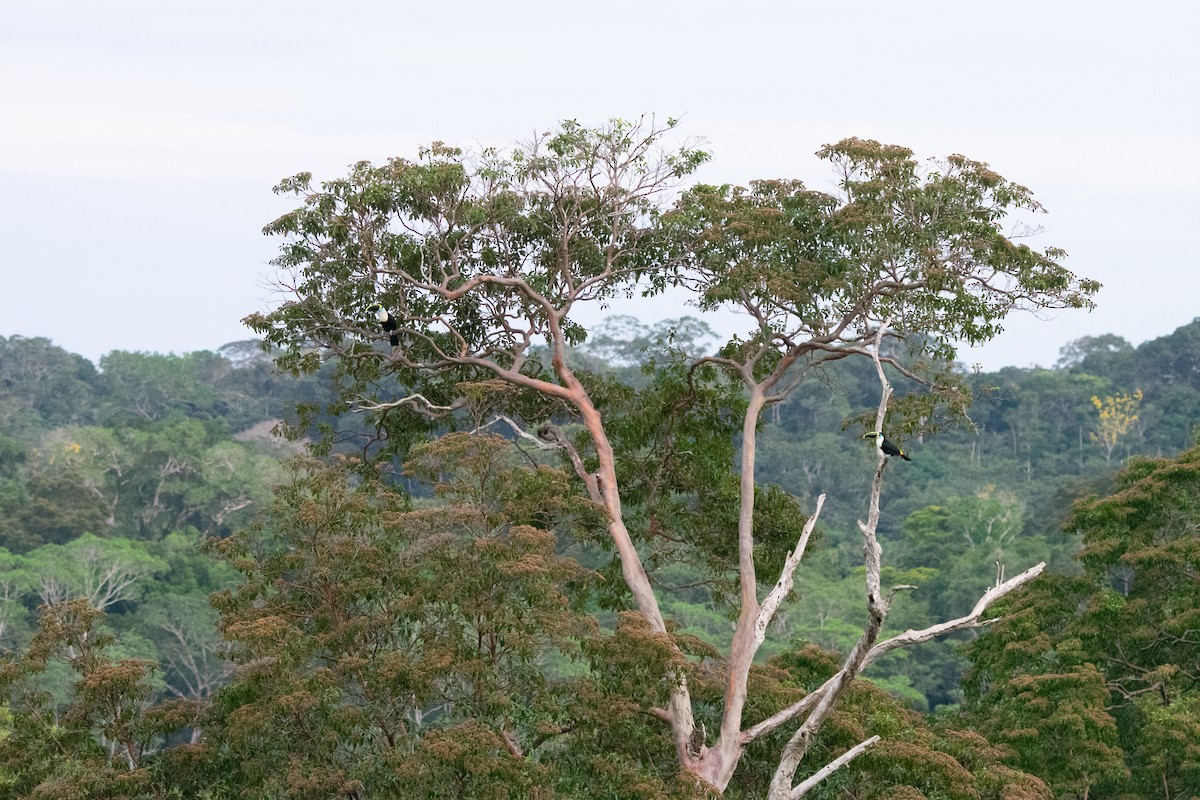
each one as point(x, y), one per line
point(148, 447)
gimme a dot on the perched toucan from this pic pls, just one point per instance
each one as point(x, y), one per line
point(887, 447)
point(386, 321)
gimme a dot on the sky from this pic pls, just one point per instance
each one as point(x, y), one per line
point(140, 139)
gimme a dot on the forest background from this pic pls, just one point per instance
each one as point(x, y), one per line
point(111, 478)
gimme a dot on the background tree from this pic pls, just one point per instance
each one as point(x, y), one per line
point(189, 645)
point(1088, 351)
point(42, 385)
point(1122, 634)
point(102, 572)
point(622, 341)
point(1116, 415)
point(106, 739)
point(145, 387)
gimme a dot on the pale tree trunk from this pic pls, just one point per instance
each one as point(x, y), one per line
point(680, 710)
point(716, 764)
point(724, 756)
point(603, 490)
point(820, 703)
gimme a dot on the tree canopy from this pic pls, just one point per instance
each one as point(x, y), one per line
point(482, 260)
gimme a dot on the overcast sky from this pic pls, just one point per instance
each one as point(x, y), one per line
point(139, 140)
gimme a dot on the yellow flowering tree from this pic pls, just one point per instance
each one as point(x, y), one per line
point(1117, 414)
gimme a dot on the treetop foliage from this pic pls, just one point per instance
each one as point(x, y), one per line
point(920, 244)
point(480, 257)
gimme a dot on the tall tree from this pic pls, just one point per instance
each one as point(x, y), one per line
point(149, 482)
point(102, 572)
point(479, 258)
point(1116, 416)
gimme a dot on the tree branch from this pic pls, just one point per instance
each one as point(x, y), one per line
point(419, 402)
point(909, 637)
point(550, 437)
point(833, 766)
point(971, 620)
point(784, 585)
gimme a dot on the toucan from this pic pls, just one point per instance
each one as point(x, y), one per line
point(387, 321)
point(887, 447)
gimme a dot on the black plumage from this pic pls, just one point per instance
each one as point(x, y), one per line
point(387, 322)
point(887, 447)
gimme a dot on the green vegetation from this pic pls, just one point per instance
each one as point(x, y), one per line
point(1091, 678)
point(975, 498)
point(527, 560)
point(465, 261)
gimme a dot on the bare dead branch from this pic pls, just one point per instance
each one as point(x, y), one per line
point(784, 585)
point(833, 766)
point(517, 429)
point(972, 620)
point(877, 606)
point(419, 403)
point(551, 437)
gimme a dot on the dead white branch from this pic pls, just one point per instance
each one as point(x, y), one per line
point(972, 620)
point(830, 768)
point(550, 437)
point(783, 586)
point(541, 444)
point(909, 637)
point(421, 404)
point(781, 787)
